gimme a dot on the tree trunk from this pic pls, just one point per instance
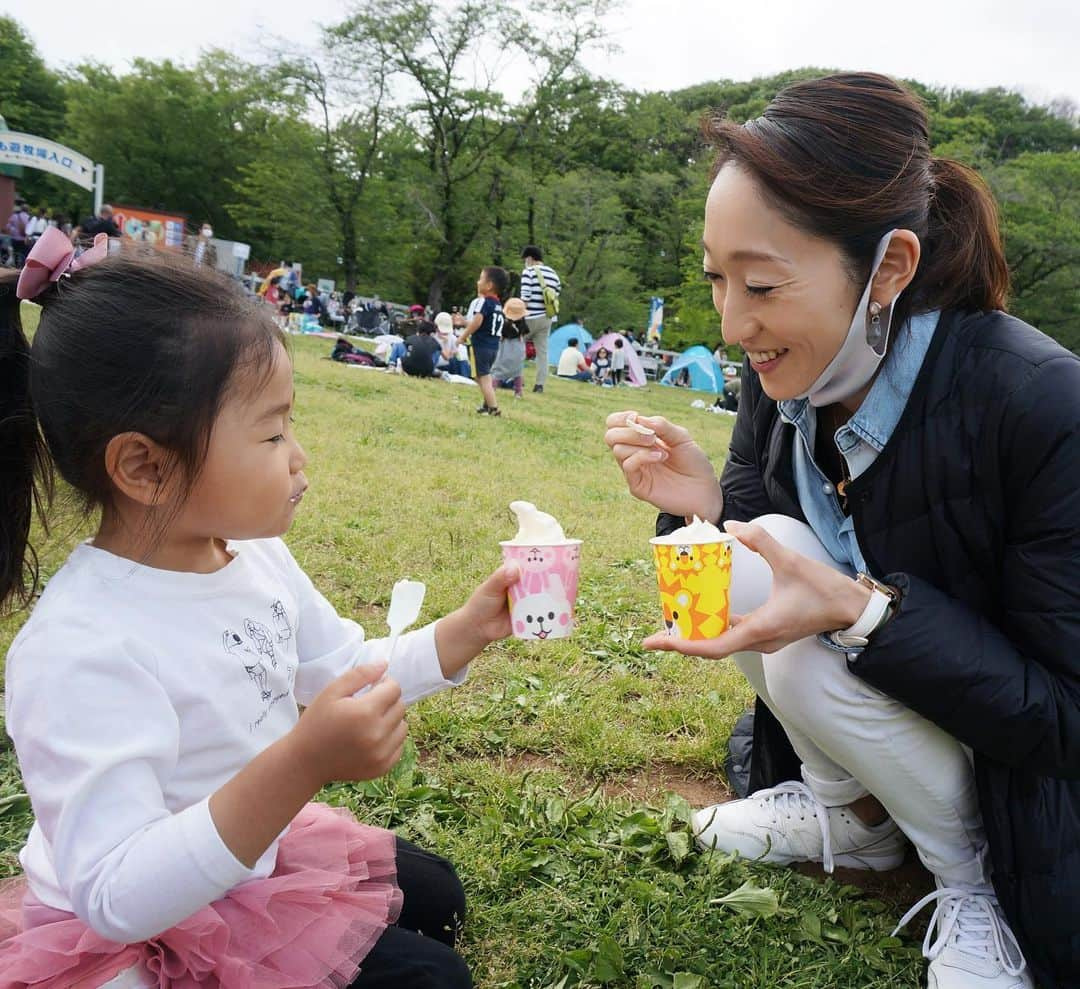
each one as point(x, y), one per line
point(348, 251)
point(532, 219)
point(436, 288)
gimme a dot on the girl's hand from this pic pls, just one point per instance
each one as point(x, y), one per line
point(488, 610)
point(343, 737)
point(807, 598)
point(665, 468)
point(483, 619)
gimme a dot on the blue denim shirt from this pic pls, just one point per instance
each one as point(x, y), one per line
point(859, 441)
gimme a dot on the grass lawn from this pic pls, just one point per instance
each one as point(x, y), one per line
point(546, 777)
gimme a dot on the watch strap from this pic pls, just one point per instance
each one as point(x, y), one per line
point(874, 614)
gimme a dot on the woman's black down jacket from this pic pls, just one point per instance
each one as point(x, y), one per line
point(973, 511)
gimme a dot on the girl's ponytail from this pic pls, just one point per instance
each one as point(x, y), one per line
point(964, 262)
point(25, 469)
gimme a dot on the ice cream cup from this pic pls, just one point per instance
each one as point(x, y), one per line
point(542, 601)
point(694, 580)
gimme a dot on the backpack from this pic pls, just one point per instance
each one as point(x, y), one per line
point(551, 297)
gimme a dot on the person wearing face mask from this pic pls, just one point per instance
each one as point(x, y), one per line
point(903, 486)
point(201, 248)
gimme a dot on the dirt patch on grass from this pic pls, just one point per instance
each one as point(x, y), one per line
point(645, 785)
point(899, 888)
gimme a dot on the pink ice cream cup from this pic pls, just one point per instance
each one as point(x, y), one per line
point(542, 601)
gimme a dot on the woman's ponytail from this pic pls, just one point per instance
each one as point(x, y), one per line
point(25, 469)
point(964, 261)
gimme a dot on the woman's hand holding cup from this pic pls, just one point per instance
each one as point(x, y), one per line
point(664, 466)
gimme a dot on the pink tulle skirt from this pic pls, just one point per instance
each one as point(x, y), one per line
point(310, 924)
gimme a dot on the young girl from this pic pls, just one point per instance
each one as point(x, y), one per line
point(602, 367)
point(152, 695)
point(509, 367)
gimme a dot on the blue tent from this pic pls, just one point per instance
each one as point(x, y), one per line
point(563, 335)
point(705, 373)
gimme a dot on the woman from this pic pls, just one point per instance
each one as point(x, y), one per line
point(894, 424)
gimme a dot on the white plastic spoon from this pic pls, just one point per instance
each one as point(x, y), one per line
point(406, 600)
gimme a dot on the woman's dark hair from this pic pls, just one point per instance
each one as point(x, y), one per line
point(847, 158)
point(147, 343)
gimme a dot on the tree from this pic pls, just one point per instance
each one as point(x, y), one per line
point(173, 137)
point(32, 100)
point(466, 129)
point(346, 143)
point(1039, 195)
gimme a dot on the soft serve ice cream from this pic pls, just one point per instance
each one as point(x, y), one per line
point(535, 527)
point(698, 531)
point(542, 601)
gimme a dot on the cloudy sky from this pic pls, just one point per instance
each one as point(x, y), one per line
point(1030, 45)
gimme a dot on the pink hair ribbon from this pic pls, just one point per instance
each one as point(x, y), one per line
point(52, 257)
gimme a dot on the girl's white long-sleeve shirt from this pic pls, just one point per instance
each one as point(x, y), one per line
point(134, 693)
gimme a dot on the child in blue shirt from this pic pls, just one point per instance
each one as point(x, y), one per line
point(483, 325)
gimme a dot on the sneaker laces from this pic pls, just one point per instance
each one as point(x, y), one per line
point(972, 924)
point(792, 797)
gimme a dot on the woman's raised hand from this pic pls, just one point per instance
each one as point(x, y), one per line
point(664, 466)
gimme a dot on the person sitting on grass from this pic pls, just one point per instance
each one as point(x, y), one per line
point(153, 693)
point(452, 357)
point(902, 485)
point(572, 363)
point(601, 369)
point(483, 324)
point(421, 351)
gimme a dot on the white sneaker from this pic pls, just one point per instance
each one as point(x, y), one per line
point(974, 949)
point(787, 824)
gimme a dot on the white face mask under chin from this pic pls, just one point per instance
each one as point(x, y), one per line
point(863, 350)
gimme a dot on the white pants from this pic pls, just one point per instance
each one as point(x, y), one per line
point(853, 739)
point(539, 328)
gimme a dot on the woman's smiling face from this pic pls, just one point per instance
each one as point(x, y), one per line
point(785, 296)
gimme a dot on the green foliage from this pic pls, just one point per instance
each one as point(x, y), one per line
point(196, 127)
point(386, 151)
point(1039, 196)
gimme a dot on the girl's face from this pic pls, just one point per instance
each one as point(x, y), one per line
point(252, 480)
point(785, 296)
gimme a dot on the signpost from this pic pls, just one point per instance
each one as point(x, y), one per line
point(30, 151)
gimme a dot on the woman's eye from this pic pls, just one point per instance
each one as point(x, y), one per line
point(712, 276)
point(758, 290)
point(280, 438)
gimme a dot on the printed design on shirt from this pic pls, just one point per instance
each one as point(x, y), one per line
point(281, 621)
point(260, 636)
point(235, 646)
